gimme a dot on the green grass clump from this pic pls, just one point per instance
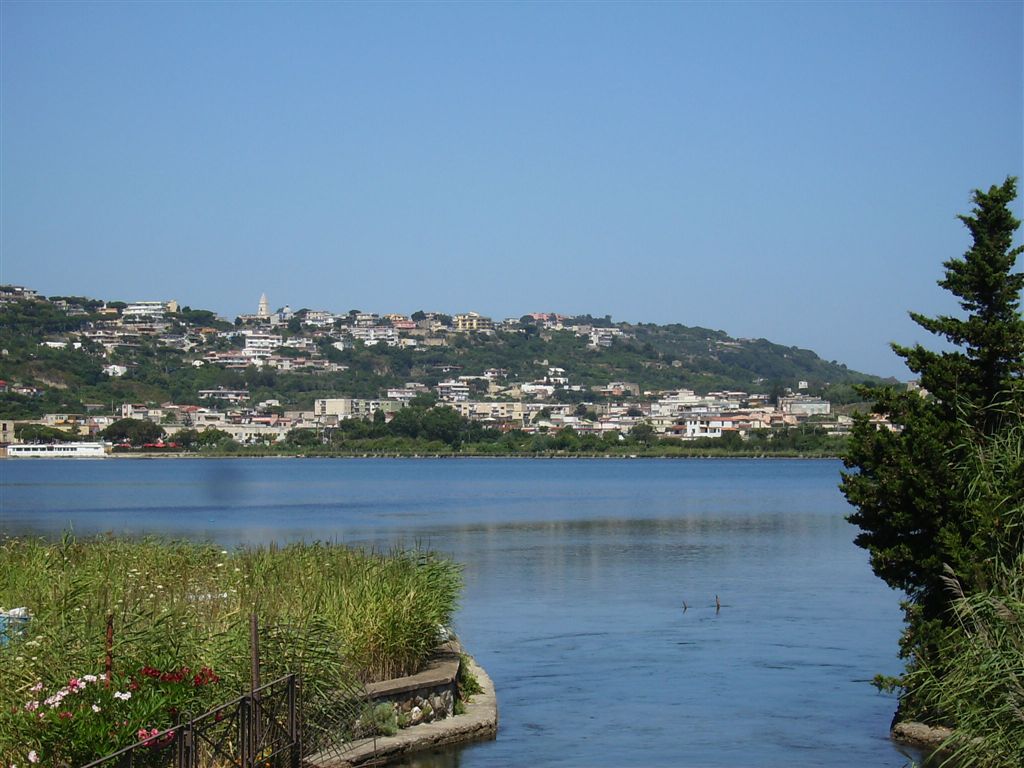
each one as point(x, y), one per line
point(181, 615)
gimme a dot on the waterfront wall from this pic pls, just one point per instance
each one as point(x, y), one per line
point(426, 696)
point(478, 722)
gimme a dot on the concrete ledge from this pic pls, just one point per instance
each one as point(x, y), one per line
point(442, 669)
point(478, 723)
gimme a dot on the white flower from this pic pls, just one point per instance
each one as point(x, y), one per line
point(33, 757)
point(96, 708)
point(90, 678)
point(122, 695)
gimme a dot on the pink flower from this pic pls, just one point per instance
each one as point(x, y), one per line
point(74, 684)
point(32, 706)
point(37, 687)
point(33, 757)
point(147, 737)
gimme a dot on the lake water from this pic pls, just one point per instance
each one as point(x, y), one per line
point(576, 574)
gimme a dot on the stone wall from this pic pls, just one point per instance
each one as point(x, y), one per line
point(478, 722)
point(426, 696)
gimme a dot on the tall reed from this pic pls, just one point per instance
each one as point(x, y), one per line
point(337, 615)
point(977, 684)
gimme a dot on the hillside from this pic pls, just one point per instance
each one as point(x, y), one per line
point(62, 353)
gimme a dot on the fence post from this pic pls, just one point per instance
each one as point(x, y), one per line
point(293, 720)
point(254, 647)
point(255, 713)
point(109, 657)
point(186, 746)
point(245, 733)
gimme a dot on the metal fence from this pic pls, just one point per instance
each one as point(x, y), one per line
point(276, 725)
point(261, 728)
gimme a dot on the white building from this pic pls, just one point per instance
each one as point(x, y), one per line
point(376, 334)
point(353, 407)
point(148, 311)
point(801, 405)
point(408, 392)
point(453, 391)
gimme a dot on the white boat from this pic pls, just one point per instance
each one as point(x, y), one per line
point(57, 451)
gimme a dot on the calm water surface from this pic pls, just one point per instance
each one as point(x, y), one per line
point(576, 573)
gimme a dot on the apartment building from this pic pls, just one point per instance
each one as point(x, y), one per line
point(505, 411)
point(472, 321)
point(147, 311)
point(453, 391)
point(353, 407)
point(261, 345)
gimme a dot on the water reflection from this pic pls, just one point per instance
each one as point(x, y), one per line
point(576, 573)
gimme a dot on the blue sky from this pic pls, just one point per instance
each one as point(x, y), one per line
point(781, 170)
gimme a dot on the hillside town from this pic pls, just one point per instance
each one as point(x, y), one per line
point(302, 342)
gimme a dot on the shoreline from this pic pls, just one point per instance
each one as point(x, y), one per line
point(479, 722)
point(443, 456)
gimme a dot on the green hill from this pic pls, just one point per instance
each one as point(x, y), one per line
point(52, 361)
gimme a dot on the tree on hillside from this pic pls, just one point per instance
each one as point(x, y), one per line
point(907, 486)
point(134, 431)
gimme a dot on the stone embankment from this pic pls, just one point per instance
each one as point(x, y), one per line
point(426, 700)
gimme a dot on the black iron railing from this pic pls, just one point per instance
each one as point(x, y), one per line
point(260, 729)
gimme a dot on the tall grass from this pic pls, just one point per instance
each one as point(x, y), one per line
point(977, 684)
point(337, 615)
point(980, 688)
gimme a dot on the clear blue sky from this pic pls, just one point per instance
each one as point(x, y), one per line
point(781, 170)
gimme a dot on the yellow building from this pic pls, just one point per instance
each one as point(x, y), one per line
point(471, 321)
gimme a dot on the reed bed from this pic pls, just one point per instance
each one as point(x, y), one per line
point(980, 688)
point(976, 685)
point(180, 642)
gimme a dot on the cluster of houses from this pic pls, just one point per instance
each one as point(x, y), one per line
point(283, 340)
point(290, 341)
point(681, 414)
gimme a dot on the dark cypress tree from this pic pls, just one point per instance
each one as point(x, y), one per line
point(993, 333)
point(908, 484)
